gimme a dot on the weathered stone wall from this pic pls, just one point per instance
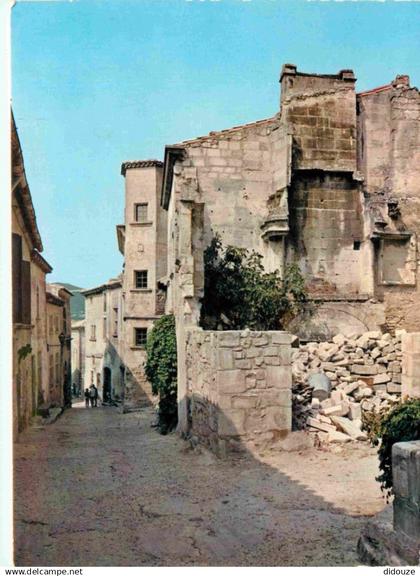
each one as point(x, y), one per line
point(322, 110)
point(411, 365)
point(239, 388)
point(231, 171)
point(326, 231)
point(406, 482)
point(389, 157)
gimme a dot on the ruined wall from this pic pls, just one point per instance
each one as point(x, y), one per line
point(389, 156)
point(231, 173)
point(322, 111)
point(239, 388)
point(326, 231)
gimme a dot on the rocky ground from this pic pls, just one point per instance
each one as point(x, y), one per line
point(99, 488)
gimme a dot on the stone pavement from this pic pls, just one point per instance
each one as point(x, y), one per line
point(99, 488)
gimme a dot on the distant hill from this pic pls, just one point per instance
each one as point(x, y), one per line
point(77, 302)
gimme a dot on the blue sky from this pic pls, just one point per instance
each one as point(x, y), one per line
point(96, 83)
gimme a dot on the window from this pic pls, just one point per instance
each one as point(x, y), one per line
point(104, 301)
point(51, 325)
point(57, 368)
point(37, 302)
point(104, 326)
point(21, 271)
point(93, 332)
point(51, 365)
point(140, 336)
point(17, 277)
point(141, 278)
point(140, 212)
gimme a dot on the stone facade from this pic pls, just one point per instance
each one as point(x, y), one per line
point(142, 241)
point(389, 158)
point(313, 185)
point(29, 270)
point(103, 363)
point(59, 345)
point(239, 388)
point(78, 357)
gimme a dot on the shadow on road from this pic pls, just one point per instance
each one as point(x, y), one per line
point(100, 488)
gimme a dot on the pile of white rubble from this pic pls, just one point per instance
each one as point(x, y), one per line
point(364, 374)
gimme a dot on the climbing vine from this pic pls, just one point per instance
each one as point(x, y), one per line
point(400, 424)
point(239, 294)
point(23, 352)
point(161, 370)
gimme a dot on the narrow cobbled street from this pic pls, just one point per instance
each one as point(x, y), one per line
point(101, 488)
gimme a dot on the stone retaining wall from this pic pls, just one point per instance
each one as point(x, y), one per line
point(411, 364)
point(239, 388)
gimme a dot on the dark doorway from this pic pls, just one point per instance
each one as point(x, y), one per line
point(107, 385)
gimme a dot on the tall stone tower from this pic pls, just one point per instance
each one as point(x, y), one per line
point(142, 241)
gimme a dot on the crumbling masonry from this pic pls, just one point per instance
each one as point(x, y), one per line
point(330, 182)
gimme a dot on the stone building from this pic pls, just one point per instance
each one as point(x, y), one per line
point(29, 269)
point(77, 356)
point(142, 241)
point(59, 345)
point(330, 182)
point(103, 365)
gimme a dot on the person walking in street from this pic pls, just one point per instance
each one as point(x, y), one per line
point(93, 395)
point(87, 397)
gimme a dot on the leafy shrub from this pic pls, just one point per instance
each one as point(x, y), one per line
point(400, 424)
point(239, 294)
point(161, 370)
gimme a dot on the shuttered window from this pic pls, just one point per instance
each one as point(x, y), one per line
point(26, 292)
point(21, 272)
point(17, 277)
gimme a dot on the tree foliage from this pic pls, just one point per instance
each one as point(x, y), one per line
point(400, 424)
point(239, 294)
point(161, 370)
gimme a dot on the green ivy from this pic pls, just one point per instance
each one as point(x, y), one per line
point(161, 370)
point(23, 352)
point(238, 293)
point(400, 424)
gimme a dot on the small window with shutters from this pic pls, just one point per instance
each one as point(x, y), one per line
point(17, 277)
point(26, 292)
